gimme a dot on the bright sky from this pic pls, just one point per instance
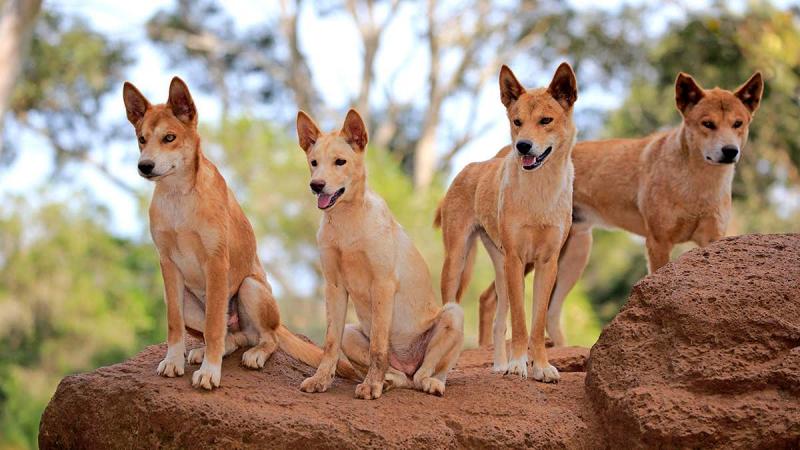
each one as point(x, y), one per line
point(151, 74)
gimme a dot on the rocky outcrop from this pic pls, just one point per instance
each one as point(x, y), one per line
point(128, 406)
point(706, 353)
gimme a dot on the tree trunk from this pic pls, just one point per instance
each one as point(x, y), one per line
point(17, 18)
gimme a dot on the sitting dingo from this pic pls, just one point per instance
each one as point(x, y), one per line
point(520, 205)
point(403, 339)
point(213, 280)
point(671, 187)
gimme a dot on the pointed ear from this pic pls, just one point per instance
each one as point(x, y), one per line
point(307, 131)
point(510, 88)
point(135, 103)
point(354, 131)
point(750, 92)
point(181, 103)
point(687, 92)
point(564, 86)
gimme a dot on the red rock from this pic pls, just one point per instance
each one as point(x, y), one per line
point(706, 352)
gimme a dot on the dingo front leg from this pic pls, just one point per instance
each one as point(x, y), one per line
point(515, 282)
point(382, 299)
point(544, 278)
point(173, 364)
point(210, 371)
point(336, 314)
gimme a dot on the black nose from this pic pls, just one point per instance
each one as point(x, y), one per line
point(730, 152)
point(524, 147)
point(146, 166)
point(317, 186)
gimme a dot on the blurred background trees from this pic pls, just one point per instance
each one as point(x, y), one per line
point(79, 290)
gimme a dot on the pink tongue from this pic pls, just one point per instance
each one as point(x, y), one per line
point(528, 160)
point(324, 200)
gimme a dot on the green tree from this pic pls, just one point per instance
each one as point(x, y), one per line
point(72, 297)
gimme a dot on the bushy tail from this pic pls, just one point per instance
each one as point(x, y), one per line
point(437, 221)
point(311, 354)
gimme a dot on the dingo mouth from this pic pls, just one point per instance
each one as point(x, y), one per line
point(530, 162)
point(156, 176)
point(325, 201)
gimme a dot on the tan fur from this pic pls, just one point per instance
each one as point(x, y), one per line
point(667, 187)
point(206, 247)
point(368, 258)
point(522, 216)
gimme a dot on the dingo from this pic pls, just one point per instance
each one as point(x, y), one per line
point(521, 207)
point(213, 280)
point(367, 257)
point(671, 187)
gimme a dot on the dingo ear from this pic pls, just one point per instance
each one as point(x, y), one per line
point(181, 103)
point(135, 103)
point(510, 88)
point(307, 131)
point(564, 87)
point(687, 92)
point(750, 92)
point(354, 131)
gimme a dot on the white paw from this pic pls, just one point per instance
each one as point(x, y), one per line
point(518, 366)
point(546, 374)
point(207, 376)
point(499, 367)
point(172, 365)
point(255, 358)
point(196, 355)
point(433, 386)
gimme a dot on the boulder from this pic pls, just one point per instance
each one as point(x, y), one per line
point(706, 352)
point(128, 406)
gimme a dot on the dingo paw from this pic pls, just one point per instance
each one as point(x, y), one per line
point(256, 357)
point(207, 376)
point(171, 366)
point(546, 374)
point(433, 386)
point(369, 390)
point(196, 355)
point(518, 366)
point(316, 383)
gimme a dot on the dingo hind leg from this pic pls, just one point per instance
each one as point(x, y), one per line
point(194, 317)
point(263, 318)
point(571, 263)
point(355, 346)
point(442, 351)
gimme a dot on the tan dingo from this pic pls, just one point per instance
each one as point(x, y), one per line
point(404, 339)
point(521, 207)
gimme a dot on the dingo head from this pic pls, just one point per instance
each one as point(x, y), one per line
point(541, 119)
point(716, 121)
point(336, 159)
point(167, 133)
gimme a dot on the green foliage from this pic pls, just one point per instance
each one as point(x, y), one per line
point(69, 71)
point(72, 298)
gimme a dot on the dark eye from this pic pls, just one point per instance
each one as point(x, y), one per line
point(709, 124)
point(314, 163)
point(142, 140)
point(737, 124)
point(340, 162)
point(169, 138)
point(517, 122)
point(545, 120)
